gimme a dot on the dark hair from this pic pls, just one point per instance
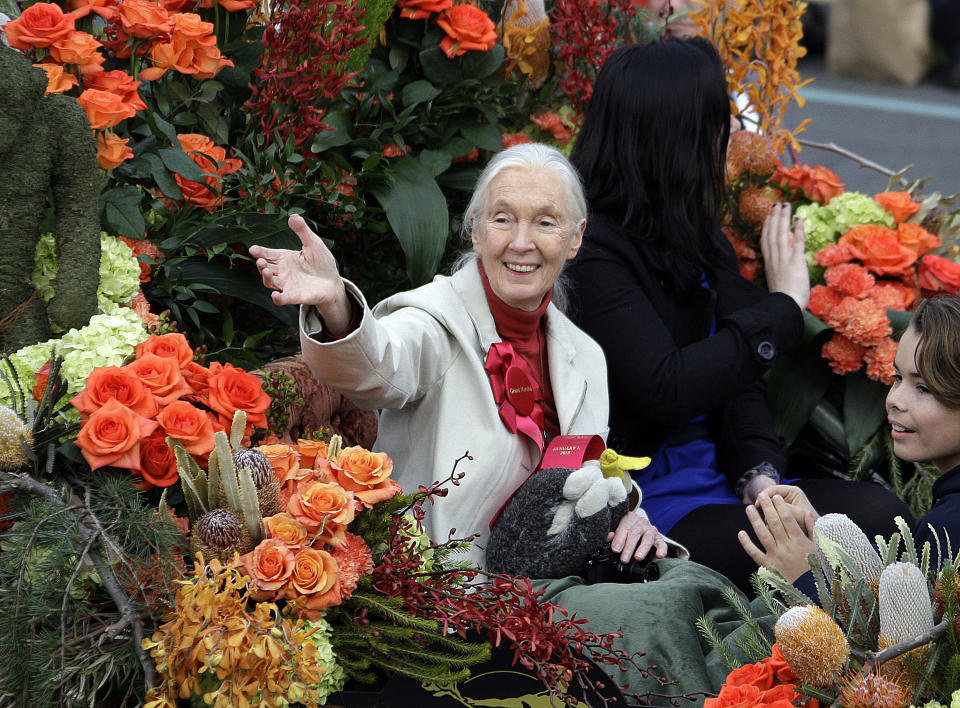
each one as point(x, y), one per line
point(652, 150)
point(937, 324)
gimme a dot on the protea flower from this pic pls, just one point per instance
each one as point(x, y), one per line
point(268, 490)
point(219, 534)
point(873, 691)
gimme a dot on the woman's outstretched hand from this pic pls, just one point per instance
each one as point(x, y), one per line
point(635, 537)
point(784, 260)
point(306, 277)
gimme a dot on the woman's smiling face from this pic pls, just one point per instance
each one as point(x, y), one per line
point(525, 235)
point(922, 427)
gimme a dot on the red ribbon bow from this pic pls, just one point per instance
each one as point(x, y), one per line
point(515, 391)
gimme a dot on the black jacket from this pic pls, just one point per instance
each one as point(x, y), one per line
point(663, 367)
point(944, 515)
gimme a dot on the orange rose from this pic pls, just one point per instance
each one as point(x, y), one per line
point(40, 25)
point(213, 160)
point(734, 697)
point(759, 675)
point(270, 565)
point(284, 460)
point(817, 183)
point(310, 450)
point(144, 19)
point(418, 9)
point(105, 109)
point(938, 275)
point(107, 9)
point(916, 238)
point(81, 49)
point(158, 464)
point(284, 527)
point(899, 204)
point(232, 389)
point(780, 695)
point(172, 345)
point(317, 505)
point(117, 82)
point(366, 474)
point(467, 27)
point(189, 425)
point(58, 80)
point(114, 383)
point(879, 249)
point(313, 583)
point(161, 376)
point(112, 435)
point(112, 151)
point(781, 668)
point(197, 377)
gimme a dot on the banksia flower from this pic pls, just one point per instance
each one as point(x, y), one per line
point(219, 534)
point(905, 613)
point(268, 489)
point(812, 644)
point(846, 534)
point(872, 691)
point(12, 429)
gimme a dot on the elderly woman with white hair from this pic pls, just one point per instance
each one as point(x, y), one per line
point(426, 357)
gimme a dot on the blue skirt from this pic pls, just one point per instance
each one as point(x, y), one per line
point(679, 479)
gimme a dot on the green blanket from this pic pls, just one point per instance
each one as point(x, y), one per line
point(658, 618)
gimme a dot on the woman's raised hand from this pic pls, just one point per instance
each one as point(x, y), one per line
point(784, 260)
point(306, 277)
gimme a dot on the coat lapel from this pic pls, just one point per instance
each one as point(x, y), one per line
point(568, 384)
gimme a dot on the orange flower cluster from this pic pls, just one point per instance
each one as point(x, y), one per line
point(170, 39)
point(759, 41)
point(213, 160)
point(257, 656)
point(770, 682)
point(146, 253)
point(129, 411)
point(856, 296)
point(552, 123)
point(308, 558)
point(818, 184)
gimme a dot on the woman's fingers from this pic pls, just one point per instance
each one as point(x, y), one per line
point(757, 555)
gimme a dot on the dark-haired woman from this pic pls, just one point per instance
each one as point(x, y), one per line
point(687, 339)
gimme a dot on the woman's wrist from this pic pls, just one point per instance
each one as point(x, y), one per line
point(755, 479)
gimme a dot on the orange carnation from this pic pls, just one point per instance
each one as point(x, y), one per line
point(366, 474)
point(172, 345)
point(817, 184)
point(313, 583)
point(354, 561)
point(189, 425)
point(850, 279)
point(105, 109)
point(823, 299)
point(862, 321)
point(316, 505)
point(107, 383)
point(232, 389)
point(270, 565)
point(879, 360)
point(832, 255)
point(40, 25)
point(418, 9)
point(552, 123)
point(161, 376)
point(892, 295)
point(117, 82)
point(158, 464)
point(287, 529)
point(511, 139)
point(917, 238)
point(310, 450)
point(899, 204)
point(112, 435)
point(112, 151)
point(468, 28)
point(938, 275)
point(58, 80)
point(81, 49)
point(144, 19)
point(843, 355)
point(879, 249)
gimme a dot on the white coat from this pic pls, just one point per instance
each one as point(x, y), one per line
point(418, 357)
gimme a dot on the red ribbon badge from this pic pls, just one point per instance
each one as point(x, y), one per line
point(515, 391)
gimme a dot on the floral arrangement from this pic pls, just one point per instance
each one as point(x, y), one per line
point(885, 633)
point(769, 682)
point(129, 411)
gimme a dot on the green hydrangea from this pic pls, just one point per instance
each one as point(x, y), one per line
point(119, 271)
point(107, 340)
point(954, 702)
point(334, 678)
point(824, 224)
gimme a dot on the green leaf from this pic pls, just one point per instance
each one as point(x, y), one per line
point(161, 175)
point(437, 68)
point(399, 56)
point(176, 160)
point(812, 326)
point(204, 306)
point(461, 178)
point(795, 386)
point(484, 136)
point(480, 65)
point(417, 212)
point(163, 129)
point(121, 212)
point(339, 133)
point(419, 92)
point(863, 409)
point(239, 284)
point(185, 118)
point(899, 320)
point(435, 161)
